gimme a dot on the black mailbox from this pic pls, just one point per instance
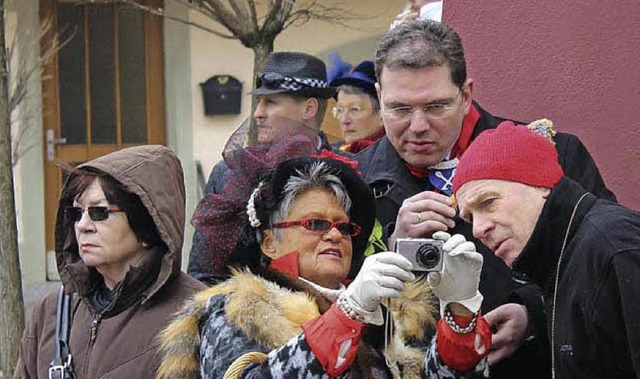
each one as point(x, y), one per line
point(222, 94)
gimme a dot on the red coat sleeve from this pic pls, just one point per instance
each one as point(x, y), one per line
point(462, 352)
point(333, 338)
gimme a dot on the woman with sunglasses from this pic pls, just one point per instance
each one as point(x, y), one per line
point(119, 233)
point(285, 311)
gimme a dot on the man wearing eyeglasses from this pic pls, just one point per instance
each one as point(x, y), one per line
point(292, 92)
point(430, 119)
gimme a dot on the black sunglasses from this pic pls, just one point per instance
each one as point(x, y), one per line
point(319, 225)
point(270, 80)
point(97, 213)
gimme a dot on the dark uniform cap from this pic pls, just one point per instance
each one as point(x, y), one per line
point(290, 72)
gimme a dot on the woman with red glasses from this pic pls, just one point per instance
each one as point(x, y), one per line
point(119, 233)
point(291, 247)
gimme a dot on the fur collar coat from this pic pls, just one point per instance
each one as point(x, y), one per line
point(262, 313)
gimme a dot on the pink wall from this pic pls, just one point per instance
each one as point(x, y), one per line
point(575, 62)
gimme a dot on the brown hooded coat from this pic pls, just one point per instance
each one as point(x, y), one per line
point(121, 341)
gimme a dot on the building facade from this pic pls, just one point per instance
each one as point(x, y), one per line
point(124, 77)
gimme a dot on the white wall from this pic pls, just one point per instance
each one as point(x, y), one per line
point(211, 55)
point(179, 104)
point(23, 23)
point(191, 57)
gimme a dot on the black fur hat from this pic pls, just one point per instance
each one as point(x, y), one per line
point(362, 210)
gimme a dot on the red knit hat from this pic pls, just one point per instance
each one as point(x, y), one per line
point(512, 153)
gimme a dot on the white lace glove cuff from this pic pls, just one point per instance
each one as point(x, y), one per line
point(368, 317)
point(473, 304)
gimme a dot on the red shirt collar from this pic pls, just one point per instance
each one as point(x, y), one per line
point(468, 126)
point(359, 145)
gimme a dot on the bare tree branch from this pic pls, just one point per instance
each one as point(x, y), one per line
point(242, 15)
point(277, 16)
point(161, 12)
point(224, 17)
point(312, 10)
point(254, 14)
point(256, 24)
point(21, 72)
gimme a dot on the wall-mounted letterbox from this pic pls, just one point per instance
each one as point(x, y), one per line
point(222, 94)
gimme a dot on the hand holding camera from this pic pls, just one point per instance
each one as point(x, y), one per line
point(382, 275)
point(424, 254)
point(460, 275)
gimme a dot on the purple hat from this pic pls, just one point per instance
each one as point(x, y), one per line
point(362, 76)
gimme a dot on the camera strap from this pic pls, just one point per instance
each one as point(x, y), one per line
point(62, 367)
point(390, 357)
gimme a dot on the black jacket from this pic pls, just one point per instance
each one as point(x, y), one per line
point(388, 176)
point(597, 313)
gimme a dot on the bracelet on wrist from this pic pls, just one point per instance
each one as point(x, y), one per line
point(344, 306)
point(448, 318)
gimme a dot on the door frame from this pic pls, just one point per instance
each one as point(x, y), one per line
point(156, 117)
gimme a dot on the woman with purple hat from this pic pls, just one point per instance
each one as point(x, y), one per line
point(357, 108)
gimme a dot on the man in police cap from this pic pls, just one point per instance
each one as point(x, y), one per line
point(293, 87)
point(292, 91)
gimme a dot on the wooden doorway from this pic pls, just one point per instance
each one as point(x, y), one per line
point(104, 88)
point(331, 126)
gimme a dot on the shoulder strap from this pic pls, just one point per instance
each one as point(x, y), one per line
point(61, 366)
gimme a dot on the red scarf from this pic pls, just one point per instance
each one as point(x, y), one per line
point(361, 144)
point(287, 264)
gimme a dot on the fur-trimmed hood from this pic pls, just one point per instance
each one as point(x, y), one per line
point(283, 306)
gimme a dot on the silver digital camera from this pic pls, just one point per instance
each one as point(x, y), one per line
point(425, 254)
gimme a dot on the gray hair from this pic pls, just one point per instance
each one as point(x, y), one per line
point(316, 175)
point(355, 90)
point(422, 44)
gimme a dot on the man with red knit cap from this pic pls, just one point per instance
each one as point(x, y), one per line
point(582, 251)
point(430, 119)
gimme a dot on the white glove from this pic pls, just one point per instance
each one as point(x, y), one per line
point(460, 276)
point(382, 275)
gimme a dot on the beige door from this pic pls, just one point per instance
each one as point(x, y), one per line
point(104, 88)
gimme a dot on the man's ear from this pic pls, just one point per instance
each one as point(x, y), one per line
point(268, 244)
point(467, 95)
point(310, 108)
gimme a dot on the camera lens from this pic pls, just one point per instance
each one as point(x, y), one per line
point(428, 256)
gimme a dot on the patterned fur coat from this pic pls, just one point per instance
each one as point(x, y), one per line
point(264, 313)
